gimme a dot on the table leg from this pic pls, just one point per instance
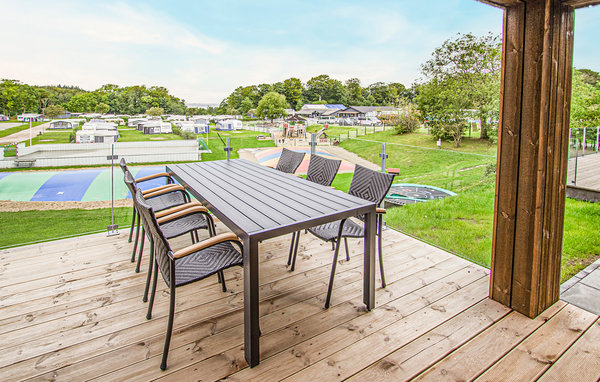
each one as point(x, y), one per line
point(369, 261)
point(251, 325)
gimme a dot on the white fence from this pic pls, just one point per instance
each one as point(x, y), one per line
point(70, 154)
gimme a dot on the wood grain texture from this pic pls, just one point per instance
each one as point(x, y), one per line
point(434, 309)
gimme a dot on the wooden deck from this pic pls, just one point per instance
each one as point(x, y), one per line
point(72, 310)
point(588, 175)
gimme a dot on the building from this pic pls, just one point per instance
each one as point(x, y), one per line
point(366, 111)
point(194, 127)
point(97, 131)
point(60, 124)
point(317, 110)
point(155, 127)
point(3, 117)
point(229, 124)
point(30, 117)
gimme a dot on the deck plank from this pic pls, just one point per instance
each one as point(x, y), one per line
point(72, 311)
point(540, 350)
point(582, 359)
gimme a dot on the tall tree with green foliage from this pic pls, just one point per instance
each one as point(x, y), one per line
point(246, 105)
point(585, 99)
point(155, 111)
point(272, 106)
point(292, 90)
point(102, 108)
point(54, 111)
point(472, 65)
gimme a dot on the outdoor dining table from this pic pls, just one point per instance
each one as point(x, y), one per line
point(258, 203)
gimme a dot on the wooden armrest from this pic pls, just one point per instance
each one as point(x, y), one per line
point(174, 187)
point(171, 210)
point(154, 176)
point(392, 170)
point(380, 210)
point(151, 190)
point(228, 236)
point(182, 213)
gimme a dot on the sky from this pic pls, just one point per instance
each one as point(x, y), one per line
point(202, 50)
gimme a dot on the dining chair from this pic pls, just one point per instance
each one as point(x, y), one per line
point(289, 161)
point(164, 198)
point(321, 171)
point(369, 185)
point(193, 263)
point(175, 222)
point(169, 180)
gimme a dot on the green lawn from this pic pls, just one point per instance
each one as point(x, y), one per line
point(239, 139)
point(29, 226)
point(463, 224)
point(129, 134)
point(16, 129)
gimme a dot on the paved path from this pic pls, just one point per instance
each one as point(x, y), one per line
point(583, 289)
point(588, 171)
point(22, 136)
point(9, 125)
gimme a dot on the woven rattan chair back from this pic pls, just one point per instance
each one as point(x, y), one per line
point(130, 183)
point(322, 170)
point(289, 161)
point(370, 184)
point(161, 245)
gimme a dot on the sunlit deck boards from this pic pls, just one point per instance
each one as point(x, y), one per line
point(72, 310)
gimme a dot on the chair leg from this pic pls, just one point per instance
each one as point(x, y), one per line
point(291, 248)
point(149, 275)
point(223, 286)
point(295, 251)
point(153, 292)
point(137, 236)
point(139, 259)
point(219, 279)
point(163, 364)
point(132, 225)
point(346, 245)
point(332, 245)
point(333, 266)
point(379, 245)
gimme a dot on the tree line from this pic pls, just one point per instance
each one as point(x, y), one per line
point(321, 89)
point(17, 98)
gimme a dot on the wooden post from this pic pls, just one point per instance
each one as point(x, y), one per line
point(532, 154)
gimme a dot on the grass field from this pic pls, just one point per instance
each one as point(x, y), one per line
point(238, 140)
point(30, 226)
point(463, 224)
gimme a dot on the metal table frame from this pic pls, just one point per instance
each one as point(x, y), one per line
point(259, 203)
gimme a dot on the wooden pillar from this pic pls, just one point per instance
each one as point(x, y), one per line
point(532, 154)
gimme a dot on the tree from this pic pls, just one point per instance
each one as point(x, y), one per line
point(585, 101)
point(292, 88)
point(324, 88)
point(102, 108)
point(472, 65)
point(272, 106)
point(355, 92)
point(246, 105)
point(444, 108)
point(54, 111)
point(155, 111)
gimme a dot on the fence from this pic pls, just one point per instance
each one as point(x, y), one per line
point(584, 158)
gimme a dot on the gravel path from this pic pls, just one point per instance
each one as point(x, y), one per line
point(23, 135)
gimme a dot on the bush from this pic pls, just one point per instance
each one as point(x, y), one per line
point(73, 135)
point(188, 135)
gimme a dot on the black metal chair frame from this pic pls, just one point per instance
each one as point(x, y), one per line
point(370, 185)
point(169, 179)
point(170, 216)
point(321, 171)
point(158, 192)
point(289, 161)
point(218, 250)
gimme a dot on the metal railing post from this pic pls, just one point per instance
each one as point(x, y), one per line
point(597, 138)
point(583, 147)
point(313, 143)
point(383, 157)
point(112, 229)
point(228, 149)
point(576, 155)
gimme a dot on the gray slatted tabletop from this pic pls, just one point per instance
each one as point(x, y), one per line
point(259, 203)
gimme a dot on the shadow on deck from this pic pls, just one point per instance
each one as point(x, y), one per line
point(72, 310)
